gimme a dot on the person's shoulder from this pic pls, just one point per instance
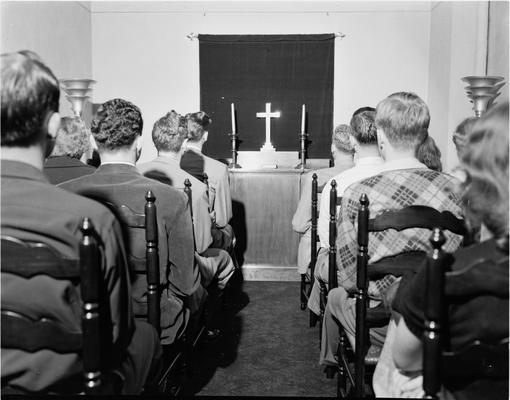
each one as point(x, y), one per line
point(80, 206)
point(217, 167)
point(162, 190)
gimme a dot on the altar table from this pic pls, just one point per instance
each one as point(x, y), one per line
point(264, 202)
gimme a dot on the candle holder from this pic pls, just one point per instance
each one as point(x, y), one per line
point(302, 152)
point(233, 164)
point(77, 92)
point(482, 91)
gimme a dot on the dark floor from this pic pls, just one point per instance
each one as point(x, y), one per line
point(267, 348)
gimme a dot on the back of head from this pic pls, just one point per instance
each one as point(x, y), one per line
point(197, 125)
point(363, 128)
point(29, 97)
point(459, 136)
point(361, 109)
point(117, 125)
point(72, 139)
point(169, 132)
point(404, 118)
point(429, 154)
point(342, 139)
point(484, 157)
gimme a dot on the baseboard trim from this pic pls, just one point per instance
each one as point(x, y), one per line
point(266, 272)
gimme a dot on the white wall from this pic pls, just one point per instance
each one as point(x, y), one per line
point(60, 32)
point(140, 50)
point(497, 59)
point(458, 48)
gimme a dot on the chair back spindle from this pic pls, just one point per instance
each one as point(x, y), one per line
point(434, 303)
point(313, 259)
point(90, 272)
point(152, 260)
point(332, 276)
point(361, 296)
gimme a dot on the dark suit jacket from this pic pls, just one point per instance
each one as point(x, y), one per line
point(63, 168)
point(220, 201)
point(122, 184)
point(35, 210)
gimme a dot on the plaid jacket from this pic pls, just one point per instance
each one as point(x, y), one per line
point(392, 190)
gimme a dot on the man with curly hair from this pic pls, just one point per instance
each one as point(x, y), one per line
point(118, 134)
point(67, 161)
point(34, 210)
point(169, 134)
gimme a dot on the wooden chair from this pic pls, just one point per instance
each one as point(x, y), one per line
point(149, 265)
point(28, 259)
point(478, 359)
point(416, 216)
point(334, 202)
point(307, 283)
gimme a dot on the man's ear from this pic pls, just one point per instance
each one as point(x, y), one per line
point(206, 136)
point(53, 125)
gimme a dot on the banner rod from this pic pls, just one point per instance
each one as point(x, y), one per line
point(192, 36)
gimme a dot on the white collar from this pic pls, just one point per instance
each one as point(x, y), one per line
point(118, 162)
point(369, 160)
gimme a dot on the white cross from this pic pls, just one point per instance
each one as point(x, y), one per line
point(268, 115)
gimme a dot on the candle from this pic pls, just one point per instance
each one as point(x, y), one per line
point(233, 118)
point(303, 120)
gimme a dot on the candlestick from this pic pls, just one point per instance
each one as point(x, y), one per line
point(303, 114)
point(233, 112)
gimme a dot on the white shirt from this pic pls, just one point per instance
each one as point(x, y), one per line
point(365, 167)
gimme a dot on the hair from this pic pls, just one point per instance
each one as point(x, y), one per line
point(169, 132)
point(197, 125)
point(360, 110)
point(484, 156)
point(342, 138)
point(404, 117)
point(30, 95)
point(363, 127)
point(459, 136)
point(72, 138)
point(118, 124)
point(429, 154)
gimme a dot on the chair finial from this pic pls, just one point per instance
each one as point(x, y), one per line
point(363, 200)
point(86, 226)
point(187, 183)
point(437, 239)
point(149, 196)
point(333, 184)
point(314, 176)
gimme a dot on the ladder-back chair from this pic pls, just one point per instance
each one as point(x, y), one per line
point(477, 360)
point(148, 266)
point(415, 216)
point(29, 259)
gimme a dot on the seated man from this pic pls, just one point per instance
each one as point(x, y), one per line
point(117, 132)
point(402, 121)
point(196, 163)
point(67, 161)
point(342, 151)
point(35, 210)
point(367, 162)
point(168, 135)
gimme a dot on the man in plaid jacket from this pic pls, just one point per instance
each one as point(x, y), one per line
point(402, 120)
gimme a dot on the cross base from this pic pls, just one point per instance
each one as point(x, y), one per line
point(267, 147)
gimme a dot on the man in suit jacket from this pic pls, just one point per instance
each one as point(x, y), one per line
point(342, 151)
point(117, 132)
point(71, 148)
point(35, 210)
point(168, 135)
point(196, 163)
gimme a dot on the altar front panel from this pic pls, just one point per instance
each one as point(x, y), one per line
point(264, 202)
